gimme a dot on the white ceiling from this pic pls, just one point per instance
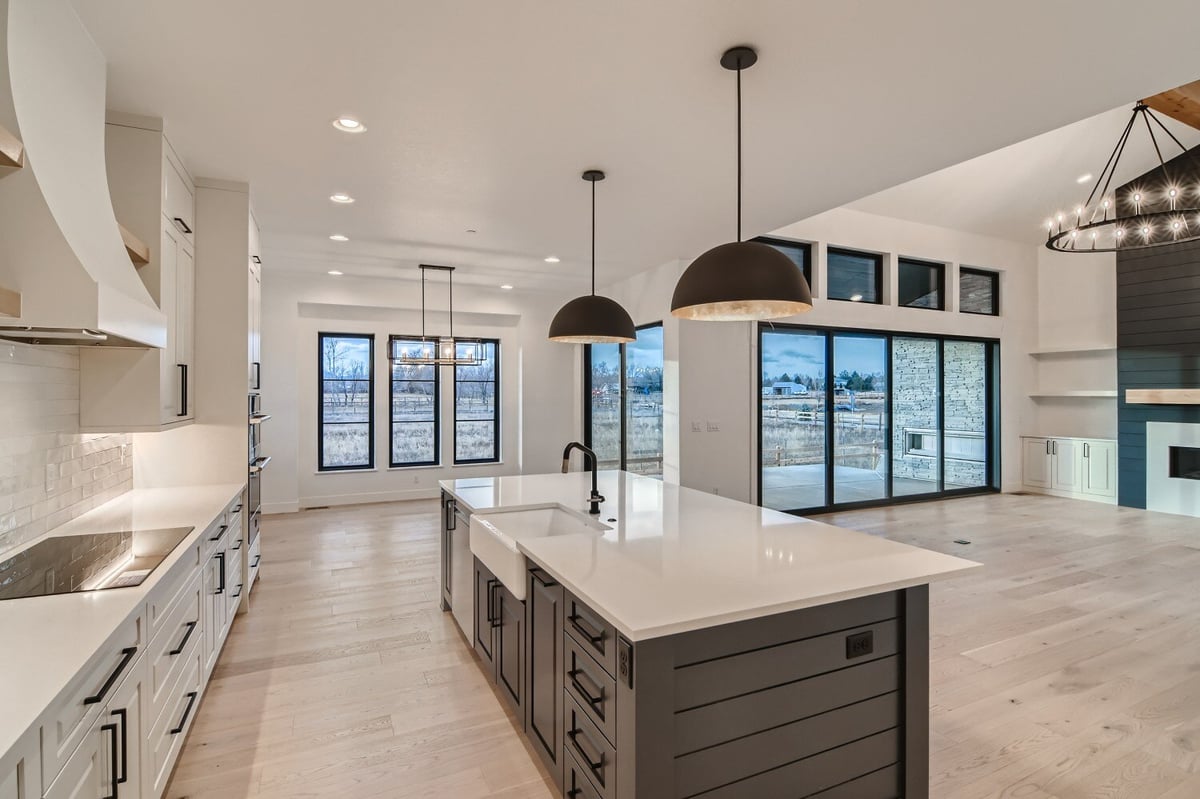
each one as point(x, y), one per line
point(482, 114)
point(1011, 192)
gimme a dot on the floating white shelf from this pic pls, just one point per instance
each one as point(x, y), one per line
point(1084, 394)
point(1068, 351)
point(138, 252)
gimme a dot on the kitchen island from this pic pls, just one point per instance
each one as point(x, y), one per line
point(683, 644)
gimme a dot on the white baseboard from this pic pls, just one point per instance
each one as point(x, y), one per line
point(369, 497)
point(280, 507)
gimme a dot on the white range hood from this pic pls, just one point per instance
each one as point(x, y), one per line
point(60, 245)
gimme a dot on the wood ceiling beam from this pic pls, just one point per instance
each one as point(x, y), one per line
point(1181, 103)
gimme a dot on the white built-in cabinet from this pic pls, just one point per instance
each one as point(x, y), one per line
point(1082, 468)
point(153, 196)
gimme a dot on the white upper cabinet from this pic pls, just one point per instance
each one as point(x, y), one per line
point(153, 197)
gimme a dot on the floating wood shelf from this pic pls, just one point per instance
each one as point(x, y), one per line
point(1085, 394)
point(139, 253)
point(10, 302)
point(1099, 349)
point(12, 152)
point(1162, 396)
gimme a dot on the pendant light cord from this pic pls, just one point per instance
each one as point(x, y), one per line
point(739, 153)
point(452, 307)
point(593, 238)
point(422, 303)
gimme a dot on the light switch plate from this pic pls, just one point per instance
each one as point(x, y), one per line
point(714, 427)
point(697, 427)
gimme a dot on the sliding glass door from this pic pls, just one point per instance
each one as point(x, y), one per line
point(623, 384)
point(849, 418)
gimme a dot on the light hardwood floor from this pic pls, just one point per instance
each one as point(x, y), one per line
point(1068, 667)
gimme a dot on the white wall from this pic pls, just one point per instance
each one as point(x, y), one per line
point(540, 399)
point(715, 362)
point(1077, 308)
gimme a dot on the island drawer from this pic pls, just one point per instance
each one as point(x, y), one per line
point(758, 669)
point(591, 749)
point(576, 784)
point(597, 637)
point(589, 685)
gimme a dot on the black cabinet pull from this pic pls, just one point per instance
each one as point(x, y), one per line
point(596, 766)
point(256, 259)
point(236, 593)
point(257, 558)
point(127, 655)
point(187, 711)
point(191, 628)
point(547, 582)
point(183, 384)
point(594, 701)
point(220, 532)
point(497, 620)
point(221, 586)
point(595, 636)
point(237, 546)
point(451, 516)
point(571, 794)
point(236, 509)
point(124, 745)
point(257, 375)
point(182, 225)
point(112, 728)
point(491, 602)
point(1047, 446)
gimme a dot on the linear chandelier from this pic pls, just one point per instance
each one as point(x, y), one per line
point(437, 350)
point(1140, 217)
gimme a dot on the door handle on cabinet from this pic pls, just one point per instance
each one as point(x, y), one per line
point(1047, 446)
point(182, 225)
point(596, 637)
point(220, 532)
point(594, 701)
point(257, 558)
point(191, 628)
point(121, 714)
point(594, 765)
point(221, 585)
point(546, 582)
point(1054, 447)
point(183, 386)
point(127, 655)
point(186, 712)
point(112, 728)
point(496, 620)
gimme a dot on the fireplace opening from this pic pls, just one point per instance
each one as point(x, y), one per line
point(1185, 463)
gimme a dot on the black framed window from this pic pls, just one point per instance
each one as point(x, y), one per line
point(346, 399)
point(978, 291)
point(477, 407)
point(854, 276)
point(855, 418)
point(799, 252)
point(414, 416)
point(623, 390)
point(922, 284)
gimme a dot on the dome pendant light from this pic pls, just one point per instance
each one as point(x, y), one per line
point(743, 280)
point(592, 319)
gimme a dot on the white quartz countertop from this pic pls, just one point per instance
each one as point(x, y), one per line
point(47, 640)
point(676, 559)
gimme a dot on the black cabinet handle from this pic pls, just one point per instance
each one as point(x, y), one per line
point(596, 766)
point(237, 547)
point(182, 225)
point(183, 384)
point(451, 516)
point(220, 532)
point(191, 628)
point(578, 622)
point(112, 728)
point(127, 655)
point(594, 701)
point(256, 259)
point(1047, 446)
point(257, 375)
point(1054, 447)
point(497, 620)
point(236, 508)
point(187, 711)
point(257, 558)
point(124, 746)
point(236, 593)
point(221, 586)
point(546, 582)
point(491, 599)
point(571, 794)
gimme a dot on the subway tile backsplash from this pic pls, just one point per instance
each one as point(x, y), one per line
point(50, 473)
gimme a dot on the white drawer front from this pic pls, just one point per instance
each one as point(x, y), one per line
point(161, 604)
point(168, 654)
point(70, 717)
point(167, 734)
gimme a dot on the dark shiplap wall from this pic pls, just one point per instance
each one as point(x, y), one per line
point(1158, 346)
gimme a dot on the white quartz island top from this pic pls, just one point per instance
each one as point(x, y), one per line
point(47, 640)
point(676, 559)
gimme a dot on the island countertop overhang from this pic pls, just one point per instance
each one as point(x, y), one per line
point(676, 559)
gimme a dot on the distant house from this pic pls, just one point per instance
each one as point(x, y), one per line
point(785, 389)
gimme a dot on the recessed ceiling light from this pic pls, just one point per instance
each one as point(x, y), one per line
point(349, 125)
point(855, 298)
point(340, 197)
point(339, 237)
point(506, 287)
point(551, 259)
point(334, 272)
point(1084, 178)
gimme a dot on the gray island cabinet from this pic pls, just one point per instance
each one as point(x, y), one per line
point(824, 699)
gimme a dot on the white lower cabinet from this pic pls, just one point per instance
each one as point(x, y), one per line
point(1081, 468)
point(117, 729)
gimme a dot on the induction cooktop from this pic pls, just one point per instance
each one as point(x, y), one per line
point(89, 562)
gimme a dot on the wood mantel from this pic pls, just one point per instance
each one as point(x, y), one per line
point(1162, 396)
